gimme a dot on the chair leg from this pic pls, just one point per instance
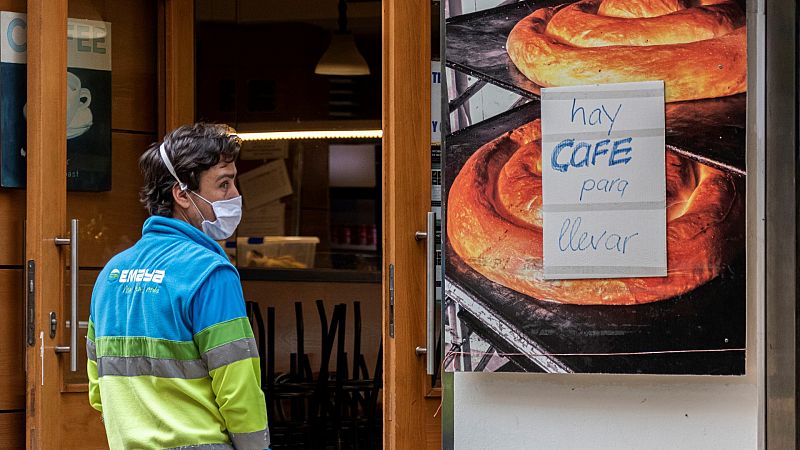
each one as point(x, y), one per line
point(300, 328)
point(356, 337)
point(321, 399)
point(373, 403)
point(261, 340)
point(341, 373)
point(271, 347)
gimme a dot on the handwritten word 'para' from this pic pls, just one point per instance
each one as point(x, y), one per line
point(604, 185)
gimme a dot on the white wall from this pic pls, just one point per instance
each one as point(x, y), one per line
point(533, 411)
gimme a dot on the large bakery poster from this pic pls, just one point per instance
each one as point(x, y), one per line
point(500, 311)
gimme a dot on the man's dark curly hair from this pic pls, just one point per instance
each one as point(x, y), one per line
point(192, 149)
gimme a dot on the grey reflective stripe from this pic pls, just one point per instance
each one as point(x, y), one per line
point(204, 447)
point(257, 440)
point(91, 350)
point(230, 353)
point(142, 365)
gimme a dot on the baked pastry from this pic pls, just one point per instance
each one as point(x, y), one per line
point(698, 51)
point(257, 259)
point(494, 223)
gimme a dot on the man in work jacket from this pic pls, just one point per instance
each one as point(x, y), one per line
point(172, 359)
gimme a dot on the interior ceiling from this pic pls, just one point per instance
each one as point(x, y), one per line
point(362, 15)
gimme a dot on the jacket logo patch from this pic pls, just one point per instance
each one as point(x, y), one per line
point(137, 275)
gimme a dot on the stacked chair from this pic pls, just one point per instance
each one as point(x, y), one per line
point(328, 409)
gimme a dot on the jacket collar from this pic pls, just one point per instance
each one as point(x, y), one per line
point(167, 226)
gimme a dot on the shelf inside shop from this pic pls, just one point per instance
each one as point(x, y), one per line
point(355, 247)
point(310, 275)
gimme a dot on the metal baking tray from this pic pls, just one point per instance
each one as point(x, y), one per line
point(711, 317)
point(709, 130)
point(476, 45)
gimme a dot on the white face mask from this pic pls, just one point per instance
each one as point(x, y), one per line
point(228, 212)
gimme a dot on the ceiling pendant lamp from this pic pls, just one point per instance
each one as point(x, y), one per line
point(342, 57)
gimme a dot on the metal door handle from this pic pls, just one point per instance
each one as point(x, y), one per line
point(430, 291)
point(72, 241)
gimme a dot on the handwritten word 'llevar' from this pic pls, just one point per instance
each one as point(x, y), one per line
point(572, 238)
point(598, 116)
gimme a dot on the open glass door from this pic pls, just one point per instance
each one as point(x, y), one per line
point(411, 396)
point(78, 218)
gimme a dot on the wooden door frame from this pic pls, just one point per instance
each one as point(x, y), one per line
point(409, 412)
point(46, 210)
point(176, 64)
point(46, 196)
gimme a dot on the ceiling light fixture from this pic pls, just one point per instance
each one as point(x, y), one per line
point(342, 57)
point(315, 134)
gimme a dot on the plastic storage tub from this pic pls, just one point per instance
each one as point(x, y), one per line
point(277, 252)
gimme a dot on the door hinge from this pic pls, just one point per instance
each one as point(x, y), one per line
point(30, 295)
point(391, 300)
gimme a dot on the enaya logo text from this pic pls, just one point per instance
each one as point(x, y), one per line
point(137, 275)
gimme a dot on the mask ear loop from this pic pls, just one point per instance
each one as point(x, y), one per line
point(165, 159)
point(195, 207)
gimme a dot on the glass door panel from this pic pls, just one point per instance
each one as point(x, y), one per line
point(111, 121)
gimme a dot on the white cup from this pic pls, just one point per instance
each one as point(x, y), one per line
point(77, 97)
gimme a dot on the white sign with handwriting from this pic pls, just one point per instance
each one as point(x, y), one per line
point(603, 181)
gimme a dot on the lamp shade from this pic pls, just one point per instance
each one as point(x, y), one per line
point(342, 58)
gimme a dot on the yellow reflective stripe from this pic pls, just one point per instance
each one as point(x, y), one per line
point(145, 346)
point(222, 333)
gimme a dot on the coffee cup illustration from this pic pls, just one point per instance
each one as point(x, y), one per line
point(79, 116)
point(77, 98)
